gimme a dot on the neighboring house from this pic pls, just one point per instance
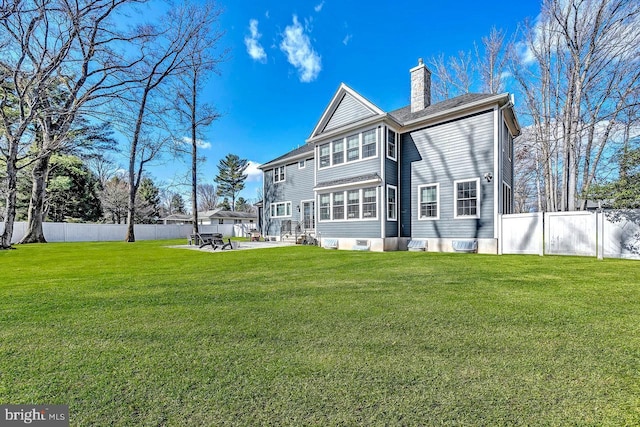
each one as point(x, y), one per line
point(216, 217)
point(221, 217)
point(372, 179)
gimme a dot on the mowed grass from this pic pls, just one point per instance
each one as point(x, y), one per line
point(142, 334)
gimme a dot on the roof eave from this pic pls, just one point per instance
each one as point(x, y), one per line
point(435, 117)
point(286, 160)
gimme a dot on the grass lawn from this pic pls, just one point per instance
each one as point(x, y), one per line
point(141, 334)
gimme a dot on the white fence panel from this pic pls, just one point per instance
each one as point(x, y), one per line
point(72, 232)
point(622, 234)
point(522, 234)
point(570, 233)
point(241, 230)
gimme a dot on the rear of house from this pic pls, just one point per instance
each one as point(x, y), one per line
point(368, 179)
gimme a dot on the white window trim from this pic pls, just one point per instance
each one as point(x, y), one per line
point(345, 161)
point(345, 205)
point(396, 203)
point(455, 199)
point(276, 174)
point(386, 147)
point(301, 165)
point(504, 202)
point(271, 210)
point(429, 218)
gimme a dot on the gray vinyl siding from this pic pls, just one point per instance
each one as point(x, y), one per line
point(458, 150)
point(352, 229)
point(359, 168)
point(349, 110)
point(297, 186)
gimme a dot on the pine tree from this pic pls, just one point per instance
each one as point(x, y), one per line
point(231, 177)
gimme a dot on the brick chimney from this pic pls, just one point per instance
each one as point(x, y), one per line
point(420, 87)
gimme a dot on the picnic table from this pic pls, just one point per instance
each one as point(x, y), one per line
point(203, 238)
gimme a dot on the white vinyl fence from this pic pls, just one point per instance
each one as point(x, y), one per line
point(606, 234)
point(73, 232)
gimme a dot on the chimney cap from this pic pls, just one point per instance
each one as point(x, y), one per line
point(420, 62)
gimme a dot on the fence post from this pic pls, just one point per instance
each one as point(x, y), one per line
point(600, 234)
point(542, 235)
point(500, 233)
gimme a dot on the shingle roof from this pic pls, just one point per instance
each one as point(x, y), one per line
point(349, 180)
point(293, 153)
point(227, 214)
point(404, 114)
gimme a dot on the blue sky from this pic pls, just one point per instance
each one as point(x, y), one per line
point(289, 57)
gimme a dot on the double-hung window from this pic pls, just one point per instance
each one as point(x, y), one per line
point(325, 155)
point(278, 174)
point(428, 197)
point(338, 205)
point(369, 143)
point(356, 204)
point(391, 144)
point(353, 147)
point(392, 203)
point(369, 202)
point(338, 152)
point(325, 207)
point(467, 201)
point(353, 204)
point(280, 209)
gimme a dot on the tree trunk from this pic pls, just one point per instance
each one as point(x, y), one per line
point(194, 153)
point(35, 233)
point(10, 208)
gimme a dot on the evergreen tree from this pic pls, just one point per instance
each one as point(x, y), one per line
point(177, 204)
point(225, 206)
point(231, 177)
point(148, 210)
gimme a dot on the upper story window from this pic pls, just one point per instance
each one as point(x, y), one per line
point(338, 152)
point(278, 174)
point(369, 143)
point(325, 155)
point(348, 149)
point(466, 198)
point(392, 149)
point(353, 148)
point(302, 164)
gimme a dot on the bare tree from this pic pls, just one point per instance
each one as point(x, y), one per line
point(451, 76)
point(207, 197)
point(52, 43)
point(200, 62)
point(579, 74)
point(492, 61)
point(165, 58)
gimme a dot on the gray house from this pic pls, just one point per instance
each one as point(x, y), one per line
point(438, 174)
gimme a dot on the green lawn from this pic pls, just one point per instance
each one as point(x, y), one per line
point(141, 334)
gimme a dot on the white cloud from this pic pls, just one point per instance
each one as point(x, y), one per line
point(254, 48)
point(318, 7)
point(300, 53)
point(266, 14)
point(347, 39)
point(253, 173)
point(199, 142)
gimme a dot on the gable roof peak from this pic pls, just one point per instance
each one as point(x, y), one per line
point(345, 100)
